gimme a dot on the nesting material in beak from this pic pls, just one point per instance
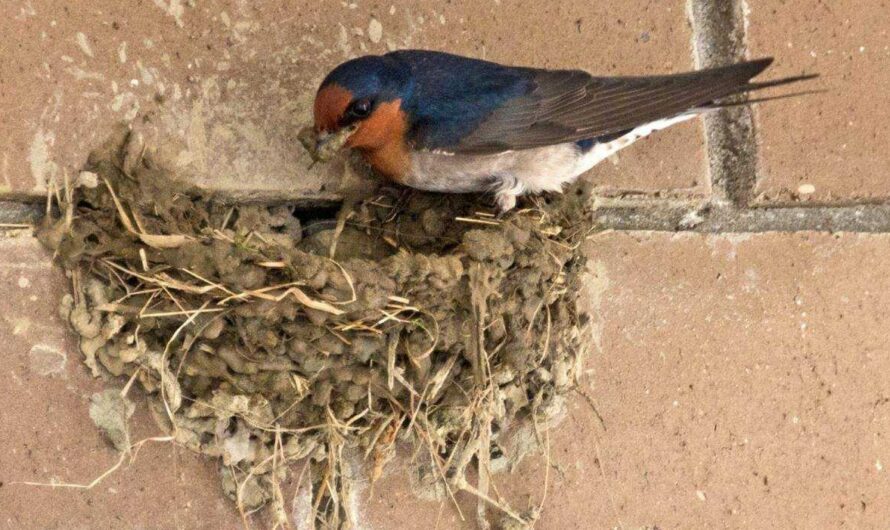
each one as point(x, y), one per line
point(323, 147)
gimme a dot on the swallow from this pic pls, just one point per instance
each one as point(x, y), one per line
point(440, 122)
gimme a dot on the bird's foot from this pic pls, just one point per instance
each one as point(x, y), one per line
point(504, 202)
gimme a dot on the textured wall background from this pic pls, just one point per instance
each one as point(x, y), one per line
point(742, 365)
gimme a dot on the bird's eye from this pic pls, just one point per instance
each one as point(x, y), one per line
point(360, 109)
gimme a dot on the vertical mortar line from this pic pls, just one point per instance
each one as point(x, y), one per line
point(718, 39)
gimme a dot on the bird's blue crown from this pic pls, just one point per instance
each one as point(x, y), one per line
point(372, 77)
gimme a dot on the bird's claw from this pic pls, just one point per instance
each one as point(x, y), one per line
point(504, 202)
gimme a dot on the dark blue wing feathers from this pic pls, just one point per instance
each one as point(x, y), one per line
point(443, 111)
point(468, 105)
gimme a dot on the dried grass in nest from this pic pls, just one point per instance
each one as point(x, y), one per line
point(434, 325)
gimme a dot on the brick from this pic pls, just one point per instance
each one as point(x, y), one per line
point(604, 38)
point(828, 147)
point(740, 378)
point(48, 434)
point(228, 86)
point(745, 367)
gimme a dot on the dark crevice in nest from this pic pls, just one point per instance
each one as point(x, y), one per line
point(434, 325)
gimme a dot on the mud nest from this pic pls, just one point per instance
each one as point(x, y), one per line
point(432, 326)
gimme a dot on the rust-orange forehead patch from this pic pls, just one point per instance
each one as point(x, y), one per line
point(330, 105)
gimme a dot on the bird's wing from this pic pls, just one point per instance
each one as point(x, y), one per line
point(569, 105)
point(450, 95)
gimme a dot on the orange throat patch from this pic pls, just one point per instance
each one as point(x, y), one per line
point(393, 160)
point(381, 139)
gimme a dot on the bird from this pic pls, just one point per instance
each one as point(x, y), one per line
point(441, 122)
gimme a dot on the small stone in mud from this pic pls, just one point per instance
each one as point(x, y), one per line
point(46, 360)
point(110, 411)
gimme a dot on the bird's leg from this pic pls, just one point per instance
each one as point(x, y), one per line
point(507, 189)
point(505, 201)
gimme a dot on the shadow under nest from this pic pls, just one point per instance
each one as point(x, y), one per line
point(431, 325)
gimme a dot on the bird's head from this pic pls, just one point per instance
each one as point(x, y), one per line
point(360, 103)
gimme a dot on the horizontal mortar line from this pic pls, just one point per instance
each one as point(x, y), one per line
point(727, 219)
point(14, 212)
point(669, 216)
point(634, 200)
point(31, 208)
point(839, 203)
point(223, 196)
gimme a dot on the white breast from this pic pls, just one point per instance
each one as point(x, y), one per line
point(539, 169)
point(513, 173)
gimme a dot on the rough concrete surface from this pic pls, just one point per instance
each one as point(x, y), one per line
point(741, 380)
point(226, 85)
point(48, 435)
point(742, 383)
point(845, 134)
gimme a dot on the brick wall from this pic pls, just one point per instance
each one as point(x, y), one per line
point(740, 298)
